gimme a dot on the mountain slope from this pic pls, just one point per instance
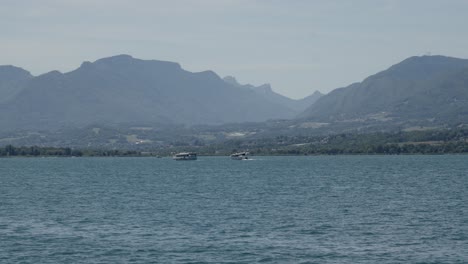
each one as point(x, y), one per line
point(423, 88)
point(125, 90)
point(266, 92)
point(11, 80)
point(308, 101)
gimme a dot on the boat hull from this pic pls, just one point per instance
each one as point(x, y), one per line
point(240, 156)
point(185, 156)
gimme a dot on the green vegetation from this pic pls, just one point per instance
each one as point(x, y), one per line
point(413, 142)
point(34, 151)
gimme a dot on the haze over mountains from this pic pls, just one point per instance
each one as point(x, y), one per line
point(11, 81)
point(433, 89)
point(266, 92)
point(125, 90)
point(129, 92)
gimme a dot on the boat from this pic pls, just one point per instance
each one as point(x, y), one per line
point(240, 156)
point(185, 156)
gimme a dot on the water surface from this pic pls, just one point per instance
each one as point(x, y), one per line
point(325, 209)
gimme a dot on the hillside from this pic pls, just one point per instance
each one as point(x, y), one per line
point(11, 81)
point(125, 90)
point(125, 102)
point(428, 88)
point(267, 93)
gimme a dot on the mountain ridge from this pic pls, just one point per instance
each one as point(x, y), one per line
point(392, 91)
point(11, 79)
point(265, 90)
point(122, 89)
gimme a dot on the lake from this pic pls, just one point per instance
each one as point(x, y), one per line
point(312, 209)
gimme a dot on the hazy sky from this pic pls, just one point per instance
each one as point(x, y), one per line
point(297, 46)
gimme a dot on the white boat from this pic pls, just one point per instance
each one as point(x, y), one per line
point(240, 156)
point(185, 156)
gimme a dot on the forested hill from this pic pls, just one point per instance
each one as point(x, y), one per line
point(414, 142)
point(427, 88)
point(125, 90)
point(11, 81)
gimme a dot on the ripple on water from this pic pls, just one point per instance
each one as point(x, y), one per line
point(346, 209)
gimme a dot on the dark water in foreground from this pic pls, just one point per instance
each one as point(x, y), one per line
point(344, 209)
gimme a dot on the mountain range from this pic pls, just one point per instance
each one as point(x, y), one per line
point(125, 90)
point(11, 81)
point(430, 89)
point(267, 92)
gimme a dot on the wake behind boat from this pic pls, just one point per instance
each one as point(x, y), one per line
point(240, 156)
point(185, 156)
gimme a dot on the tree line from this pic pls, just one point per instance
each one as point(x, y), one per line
point(415, 142)
point(35, 151)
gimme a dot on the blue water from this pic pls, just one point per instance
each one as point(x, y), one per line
point(342, 209)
